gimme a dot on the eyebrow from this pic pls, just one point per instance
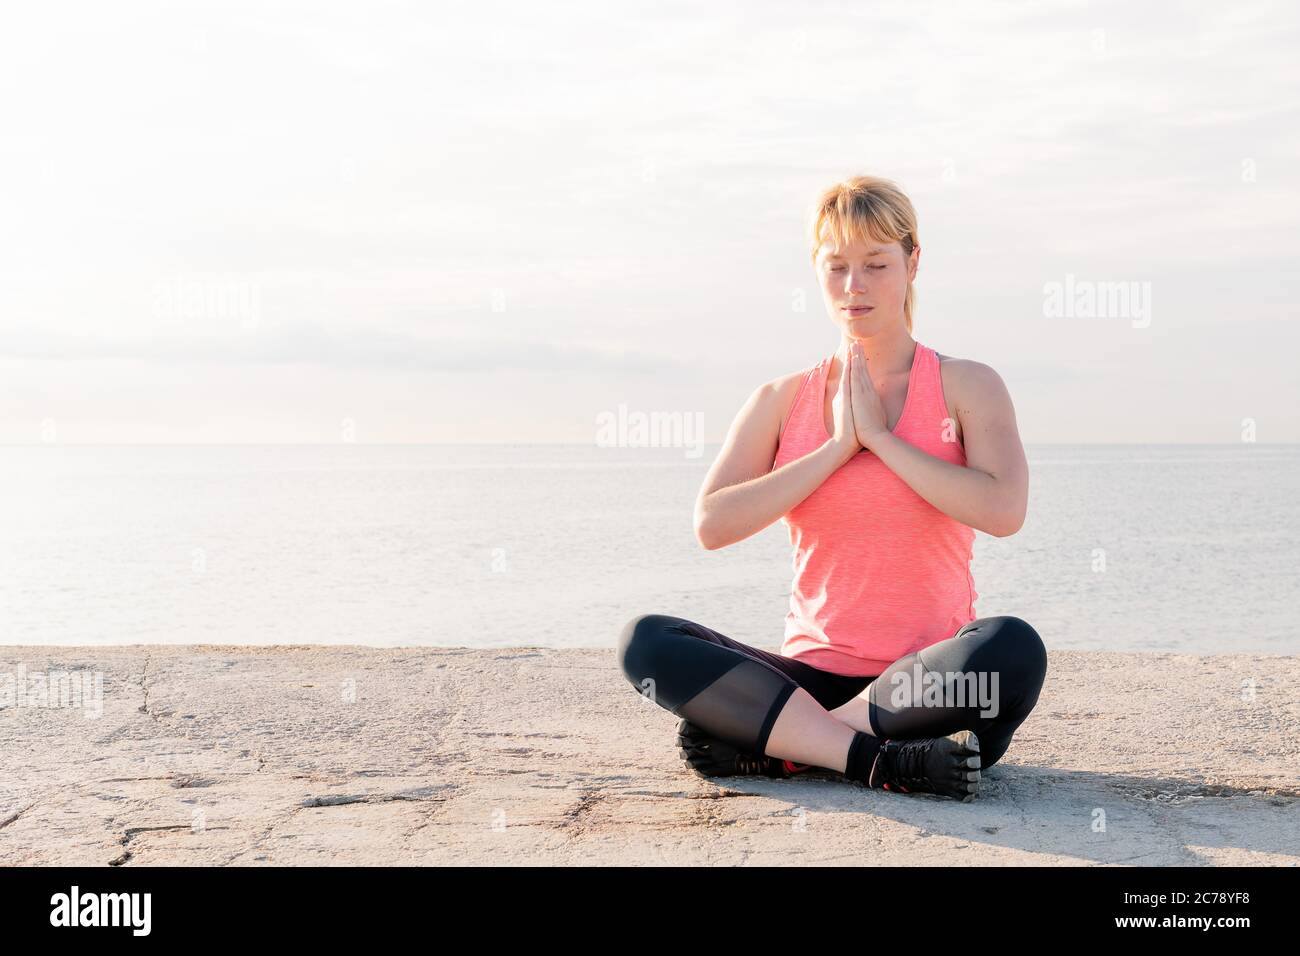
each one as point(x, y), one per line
point(873, 252)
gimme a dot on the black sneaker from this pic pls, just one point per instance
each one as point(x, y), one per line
point(711, 757)
point(947, 766)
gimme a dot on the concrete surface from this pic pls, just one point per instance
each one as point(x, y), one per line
point(283, 755)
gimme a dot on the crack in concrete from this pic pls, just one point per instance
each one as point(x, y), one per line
point(572, 820)
point(14, 816)
point(144, 687)
point(179, 781)
point(130, 833)
point(418, 795)
point(1024, 815)
point(1166, 827)
point(1176, 792)
point(722, 795)
point(257, 844)
point(429, 818)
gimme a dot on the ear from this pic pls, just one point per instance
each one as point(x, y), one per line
point(913, 261)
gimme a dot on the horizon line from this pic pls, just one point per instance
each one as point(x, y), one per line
point(514, 444)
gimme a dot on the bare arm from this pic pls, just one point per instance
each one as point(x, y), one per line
point(991, 493)
point(741, 494)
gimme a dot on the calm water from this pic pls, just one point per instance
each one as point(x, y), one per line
point(559, 545)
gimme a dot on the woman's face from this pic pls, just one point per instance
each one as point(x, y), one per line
point(870, 274)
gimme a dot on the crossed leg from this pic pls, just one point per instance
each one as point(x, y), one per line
point(988, 677)
point(757, 701)
point(985, 678)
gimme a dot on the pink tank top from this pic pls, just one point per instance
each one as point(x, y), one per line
point(879, 572)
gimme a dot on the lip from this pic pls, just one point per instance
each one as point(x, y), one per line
point(858, 308)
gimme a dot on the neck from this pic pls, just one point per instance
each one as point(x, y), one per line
point(888, 352)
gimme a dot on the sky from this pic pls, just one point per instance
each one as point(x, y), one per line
point(491, 222)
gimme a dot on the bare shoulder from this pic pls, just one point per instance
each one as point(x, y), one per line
point(986, 420)
point(784, 387)
point(781, 392)
point(974, 393)
point(968, 383)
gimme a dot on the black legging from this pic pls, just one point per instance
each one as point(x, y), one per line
point(735, 692)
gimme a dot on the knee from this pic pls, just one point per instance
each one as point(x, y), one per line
point(638, 645)
point(1021, 650)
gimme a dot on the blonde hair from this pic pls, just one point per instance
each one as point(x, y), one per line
point(867, 208)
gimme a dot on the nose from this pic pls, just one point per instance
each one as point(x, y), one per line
point(857, 280)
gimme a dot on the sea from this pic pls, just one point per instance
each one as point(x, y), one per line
point(1182, 548)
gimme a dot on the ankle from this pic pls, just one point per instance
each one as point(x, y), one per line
point(862, 756)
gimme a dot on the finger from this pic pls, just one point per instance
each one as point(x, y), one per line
point(845, 391)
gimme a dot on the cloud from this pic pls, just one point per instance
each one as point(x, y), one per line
point(338, 348)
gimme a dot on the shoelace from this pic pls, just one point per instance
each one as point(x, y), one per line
point(906, 764)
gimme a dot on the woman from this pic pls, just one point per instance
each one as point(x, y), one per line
point(881, 459)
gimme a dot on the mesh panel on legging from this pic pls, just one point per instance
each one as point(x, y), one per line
point(730, 690)
point(741, 706)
